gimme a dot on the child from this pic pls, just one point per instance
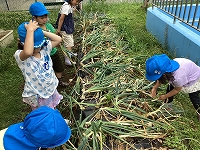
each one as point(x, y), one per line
point(181, 73)
point(36, 65)
point(39, 14)
point(145, 3)
point(43, 127)
point(65, 25)
point(79, 7)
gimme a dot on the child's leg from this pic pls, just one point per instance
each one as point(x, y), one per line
point(194, 97)
point(58, 68)
point(169, 88)
point(70, 54)
point(67, 61)
point(69, 43)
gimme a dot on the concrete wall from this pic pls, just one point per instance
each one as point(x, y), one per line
point(179, 39)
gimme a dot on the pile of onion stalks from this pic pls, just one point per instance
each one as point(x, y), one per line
point(114, 87)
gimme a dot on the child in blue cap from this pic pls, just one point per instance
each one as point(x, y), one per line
point(182, 75)
point(43, 127)
point(40, 14)
point(65, 25)
point(36, 65)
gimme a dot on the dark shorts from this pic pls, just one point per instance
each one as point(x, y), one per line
point(57, 62)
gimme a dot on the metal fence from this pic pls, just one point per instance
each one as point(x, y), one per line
point(185, 11)
point(17, 5)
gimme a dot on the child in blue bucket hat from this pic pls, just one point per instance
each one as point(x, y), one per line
point(43, 127)
point(38, 9)
point(34, 60)
point(40, 14)
point(182, 75)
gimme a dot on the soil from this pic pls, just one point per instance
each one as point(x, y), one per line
point(68, 75)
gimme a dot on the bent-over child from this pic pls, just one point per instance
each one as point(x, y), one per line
point(182, 75)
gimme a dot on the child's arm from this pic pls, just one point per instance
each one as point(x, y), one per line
point(154, 89)
point(29, 41)
point(55, 39)
point(60, 22)
point(173, 92)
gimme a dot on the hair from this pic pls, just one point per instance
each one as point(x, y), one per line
point(70, 1)
point(41, 16)
point(19, 44)
point(166, 77)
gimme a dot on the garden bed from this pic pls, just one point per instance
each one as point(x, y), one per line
point(6, 37)
point(109, 104)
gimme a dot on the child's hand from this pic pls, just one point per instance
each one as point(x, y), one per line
point(58, 33)
point(162, 97)
point(32, 26)
point(153, 92)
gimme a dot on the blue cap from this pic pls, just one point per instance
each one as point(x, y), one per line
point(39, 39)
point(43, 127)
point(157, 65)
point(38, 9)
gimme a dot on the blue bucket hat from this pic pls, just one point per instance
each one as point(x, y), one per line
point(157, 65)
point(38, 9)
point(43, 127)
point(39, 39)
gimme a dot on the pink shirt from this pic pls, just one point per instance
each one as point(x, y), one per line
point(187, 74)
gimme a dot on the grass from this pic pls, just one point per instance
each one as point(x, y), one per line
point(129, 19)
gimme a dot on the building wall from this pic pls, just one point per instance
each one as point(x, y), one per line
point(178, 38)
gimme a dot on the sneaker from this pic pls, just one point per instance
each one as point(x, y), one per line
point(168, 107)
point(71, 54)
point(68, 62)
point(61, 83)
